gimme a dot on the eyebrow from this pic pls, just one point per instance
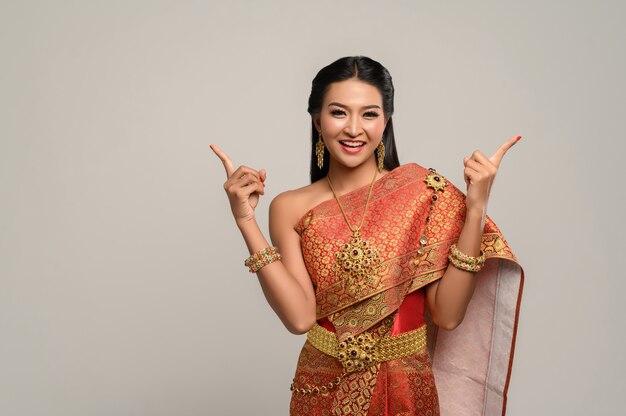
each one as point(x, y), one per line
point(344, 106)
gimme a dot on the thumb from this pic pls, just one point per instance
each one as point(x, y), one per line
point(263, 174)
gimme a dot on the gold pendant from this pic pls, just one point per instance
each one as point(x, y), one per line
point(358, 264)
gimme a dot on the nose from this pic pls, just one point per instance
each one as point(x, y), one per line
point(354, 127)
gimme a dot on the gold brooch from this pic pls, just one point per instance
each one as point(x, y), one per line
point(435, 181)
point(358, 352)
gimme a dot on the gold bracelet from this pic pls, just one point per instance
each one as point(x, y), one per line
point(464, 266)
point(459, 255)
point(465, 262)
point(262, 258)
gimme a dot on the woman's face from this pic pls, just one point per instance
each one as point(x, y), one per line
point(352, 121)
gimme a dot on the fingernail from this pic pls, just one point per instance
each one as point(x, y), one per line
point(517, 138)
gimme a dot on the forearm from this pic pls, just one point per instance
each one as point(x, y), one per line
point(456, 287)
point(282, 291)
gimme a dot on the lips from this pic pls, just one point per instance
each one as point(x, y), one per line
point(352, 146)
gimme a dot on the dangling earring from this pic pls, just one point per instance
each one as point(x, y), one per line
point(319, 151)
point(381, 155)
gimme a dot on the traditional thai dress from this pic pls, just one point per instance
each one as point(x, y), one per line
point(464, 371)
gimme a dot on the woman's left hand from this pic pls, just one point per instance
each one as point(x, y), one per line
point(479, 174)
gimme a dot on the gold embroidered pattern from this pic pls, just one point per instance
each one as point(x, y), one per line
point(395, 220)
point(394, 223)
point(350, 396)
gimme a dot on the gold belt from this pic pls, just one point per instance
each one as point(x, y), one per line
point(360, 351)
point(366, 349)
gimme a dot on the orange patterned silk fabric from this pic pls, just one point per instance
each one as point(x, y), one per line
point(398, 387)
point(394, 222)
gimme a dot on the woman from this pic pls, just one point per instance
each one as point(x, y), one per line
point(377, 263)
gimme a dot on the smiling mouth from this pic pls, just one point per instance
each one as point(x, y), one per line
point(352, 143)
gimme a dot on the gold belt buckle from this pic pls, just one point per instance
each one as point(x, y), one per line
point(358, 352)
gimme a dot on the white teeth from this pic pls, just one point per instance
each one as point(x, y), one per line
point(352, 144)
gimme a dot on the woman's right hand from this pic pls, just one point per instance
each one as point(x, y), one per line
point(243, 187)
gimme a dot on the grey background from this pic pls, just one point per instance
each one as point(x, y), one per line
point(122, 285)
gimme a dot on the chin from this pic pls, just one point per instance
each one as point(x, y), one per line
point(351, 162)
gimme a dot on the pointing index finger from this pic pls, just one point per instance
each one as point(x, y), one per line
point(228, 164)
point(499, 154)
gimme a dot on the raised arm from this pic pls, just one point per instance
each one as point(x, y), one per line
point(449, 297)
point(285, 283)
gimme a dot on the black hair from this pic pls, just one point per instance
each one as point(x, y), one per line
point(364, 69)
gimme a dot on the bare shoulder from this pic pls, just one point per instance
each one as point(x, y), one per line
point(289, 206)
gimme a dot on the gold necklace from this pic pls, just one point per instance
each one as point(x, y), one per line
point(357, 262)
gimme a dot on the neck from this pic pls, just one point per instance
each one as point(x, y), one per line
point(346, 179)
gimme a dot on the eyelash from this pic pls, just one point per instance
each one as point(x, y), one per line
point(338, 112)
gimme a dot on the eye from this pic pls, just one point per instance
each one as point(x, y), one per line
point(371, 114)
point(337, 112)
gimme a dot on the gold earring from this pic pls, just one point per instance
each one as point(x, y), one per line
point(381, 155)
point(319, 151)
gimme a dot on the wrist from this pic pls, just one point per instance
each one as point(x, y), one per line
point(476, 209)
point(476, 212)
point(244, 223)
point(475, 216)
